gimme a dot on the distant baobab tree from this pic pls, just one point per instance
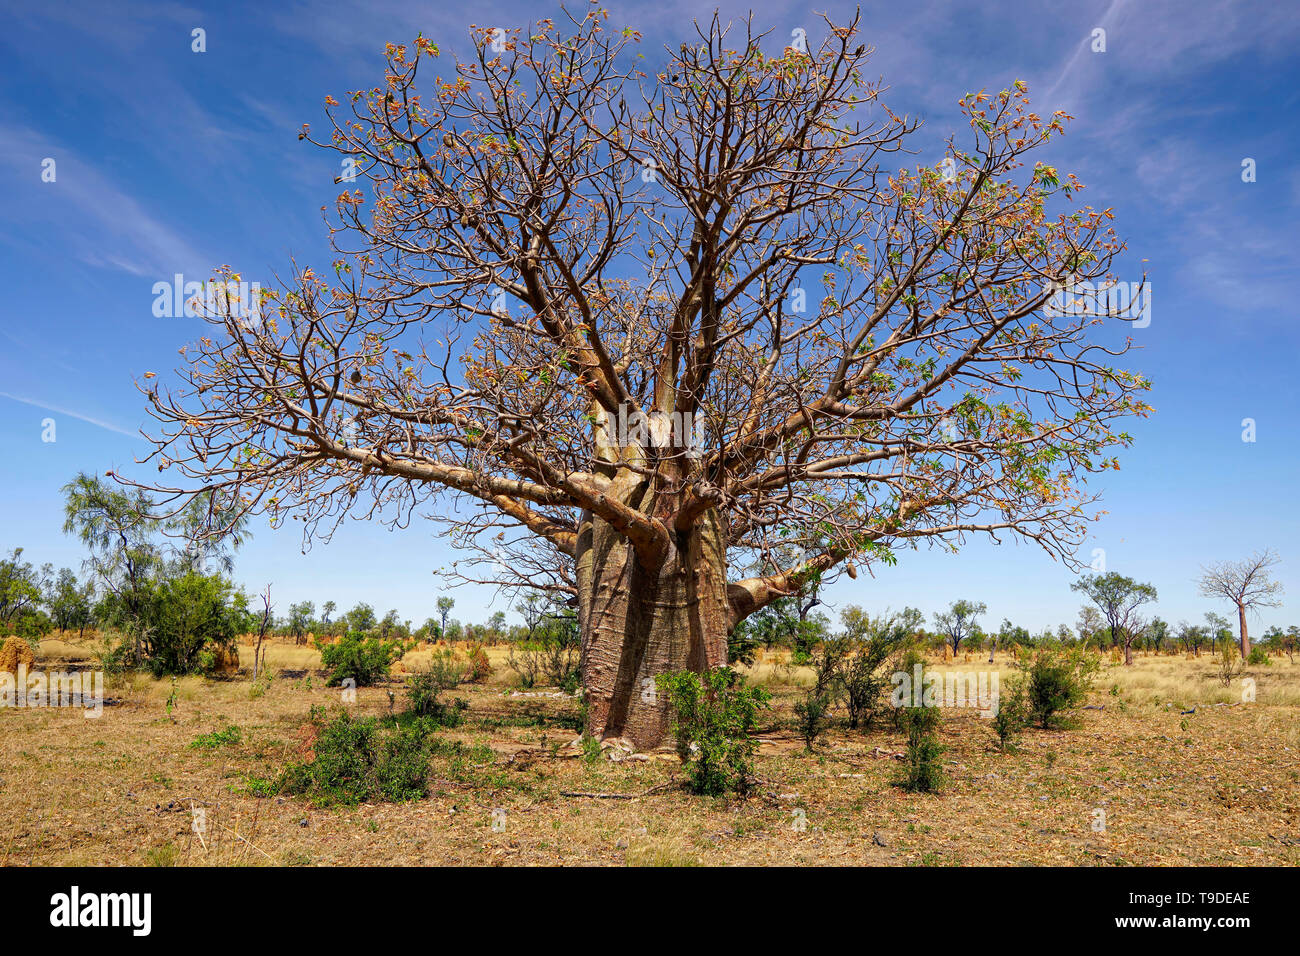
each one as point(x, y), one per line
point(672, 319)
point(1246, 585)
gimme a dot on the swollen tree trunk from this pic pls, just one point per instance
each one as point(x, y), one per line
point(1245, 638)
point(637, 623)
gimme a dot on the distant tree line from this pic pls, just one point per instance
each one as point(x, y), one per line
point(160, 588)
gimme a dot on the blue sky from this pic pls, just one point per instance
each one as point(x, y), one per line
point(170, 161)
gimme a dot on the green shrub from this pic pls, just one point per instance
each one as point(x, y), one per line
point(1012, 714)
point(1258, 657)
point(812, 713)
point(229, 737)
point(742, 645)
point(424, 692)
point(551, 659)
point(1057, 679)
point(32, 625)
point(922, 769)
point(713, 718)
point(872, 641)
point(186, 618)
point(363, 759)
point(363, 659)
point(904, 661)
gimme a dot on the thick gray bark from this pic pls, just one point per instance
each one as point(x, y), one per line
point(637, 623)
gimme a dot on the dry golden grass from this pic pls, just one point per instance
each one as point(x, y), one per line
point(1218, 786)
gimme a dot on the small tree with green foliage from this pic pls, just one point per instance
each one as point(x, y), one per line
point(923, 759)
point(1057, 679)
point(363, 659)
point(959, 622)
point(1118, 598)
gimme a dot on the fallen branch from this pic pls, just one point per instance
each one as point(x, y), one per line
point(618, 796)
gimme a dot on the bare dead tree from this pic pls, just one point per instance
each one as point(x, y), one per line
point(670, 321)
point(1246, 584)
point(261, 632)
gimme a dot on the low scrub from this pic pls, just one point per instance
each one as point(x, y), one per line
point(352, 760)
point(426, 687)
point(359, 658)
point(229, 737)
point(1057, 680)
point(714, 715)
point(923, 759)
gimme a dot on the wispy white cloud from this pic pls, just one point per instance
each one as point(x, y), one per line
point(1069, 72)
point(58, 410)
point(102, 224)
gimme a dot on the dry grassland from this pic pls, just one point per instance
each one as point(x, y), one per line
point(1218, 786)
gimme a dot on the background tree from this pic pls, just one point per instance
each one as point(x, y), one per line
point(300, 617)
point(326, 610)
point(1191, 636)
point(1217, 628)
point(21, 586)
point(674, 319)
point(445, 604)
point(392, 626)
point(117, 527)
point(70, 603)
point(786, 622)
point(1118, 598)
point(1290, 641)
point(1089, 623)
point(1008, 637)
point(547, 644)
point(959, 621)
point(361, 618)
point(144, 562)
point(264, 622)
point(1246, 584)
point(1157, 633)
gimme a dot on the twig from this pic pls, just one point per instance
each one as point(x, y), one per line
point(249, 842)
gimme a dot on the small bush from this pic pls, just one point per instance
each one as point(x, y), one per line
point(713, 718)
point(480, 669)
point(187, 616)
point(1258, 657)
point(1057, 679)
point(1229, 663)
point(923, 771)
point(904, 661)
point(863, 675)
point(812, 713)
point(550, 659)
point(363, 659)
point(165, 855)
point(260, 687)
point(1012, 714)
point(260, 787)
point(229, 737)
point(443, 673)
point(362, 759)
point(425, 690)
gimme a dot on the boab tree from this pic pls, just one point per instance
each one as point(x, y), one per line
point(670, 323)
point(1246, 584)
